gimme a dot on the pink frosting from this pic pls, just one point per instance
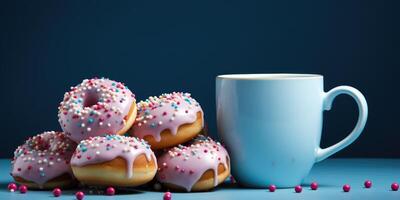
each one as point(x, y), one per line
point(95, 107)
point(168, 111)
point(43, 157)
point(184, 165)
point(102, 149)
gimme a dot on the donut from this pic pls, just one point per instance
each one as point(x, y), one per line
point(42, 162)
point(168, 120)
point(198, 166)
point(114, 160)
point(97, 107)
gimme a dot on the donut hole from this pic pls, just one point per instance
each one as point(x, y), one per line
point(44, 146)
point(40, 143)
point(90, 100)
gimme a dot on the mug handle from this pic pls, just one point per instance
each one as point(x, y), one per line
point(362, 119)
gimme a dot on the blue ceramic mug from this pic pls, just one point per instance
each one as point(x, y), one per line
point(271, 125)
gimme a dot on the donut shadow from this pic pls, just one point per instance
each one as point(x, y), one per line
point(182, 191)
point(129, 191)
point(88, 190)
point(100, 191)
point(118, 190)
point(87, 193)
point(227, 185)
point(222, 186)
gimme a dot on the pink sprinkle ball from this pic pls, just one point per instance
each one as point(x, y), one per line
point(298, 189)
point(167, 196)
point(57, 192)
point(367, 184)
point(110, 191)
point(314, 186)
point(12, 187)
point(395, 186)
point(346, 188)
point(23, 189)
point(272, 188)
point(79, 195)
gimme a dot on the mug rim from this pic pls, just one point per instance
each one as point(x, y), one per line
point(269, 76)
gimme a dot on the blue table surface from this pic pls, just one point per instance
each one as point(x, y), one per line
point(331, 175)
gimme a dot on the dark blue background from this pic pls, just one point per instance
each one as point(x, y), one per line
point(163, 46)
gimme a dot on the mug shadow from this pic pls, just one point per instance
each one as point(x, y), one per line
point(236, 186)
point(324, 185)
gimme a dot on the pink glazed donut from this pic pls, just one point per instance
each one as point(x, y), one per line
point(97, 107)
point(199, 166)
point(168, 120)
point(114, 160)
point(43, 161)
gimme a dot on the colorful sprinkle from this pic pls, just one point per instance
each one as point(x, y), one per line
point(298, 189)
point(23, 189)
point(395, 186)
point(167, 196)
point(346, 188)
point(272, 188)
point(57, 192)
point(12, 187)
point(79, 195)
point(314, 186)
point(110, 191)
point(367, 184)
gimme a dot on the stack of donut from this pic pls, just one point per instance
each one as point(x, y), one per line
point(109, 140)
